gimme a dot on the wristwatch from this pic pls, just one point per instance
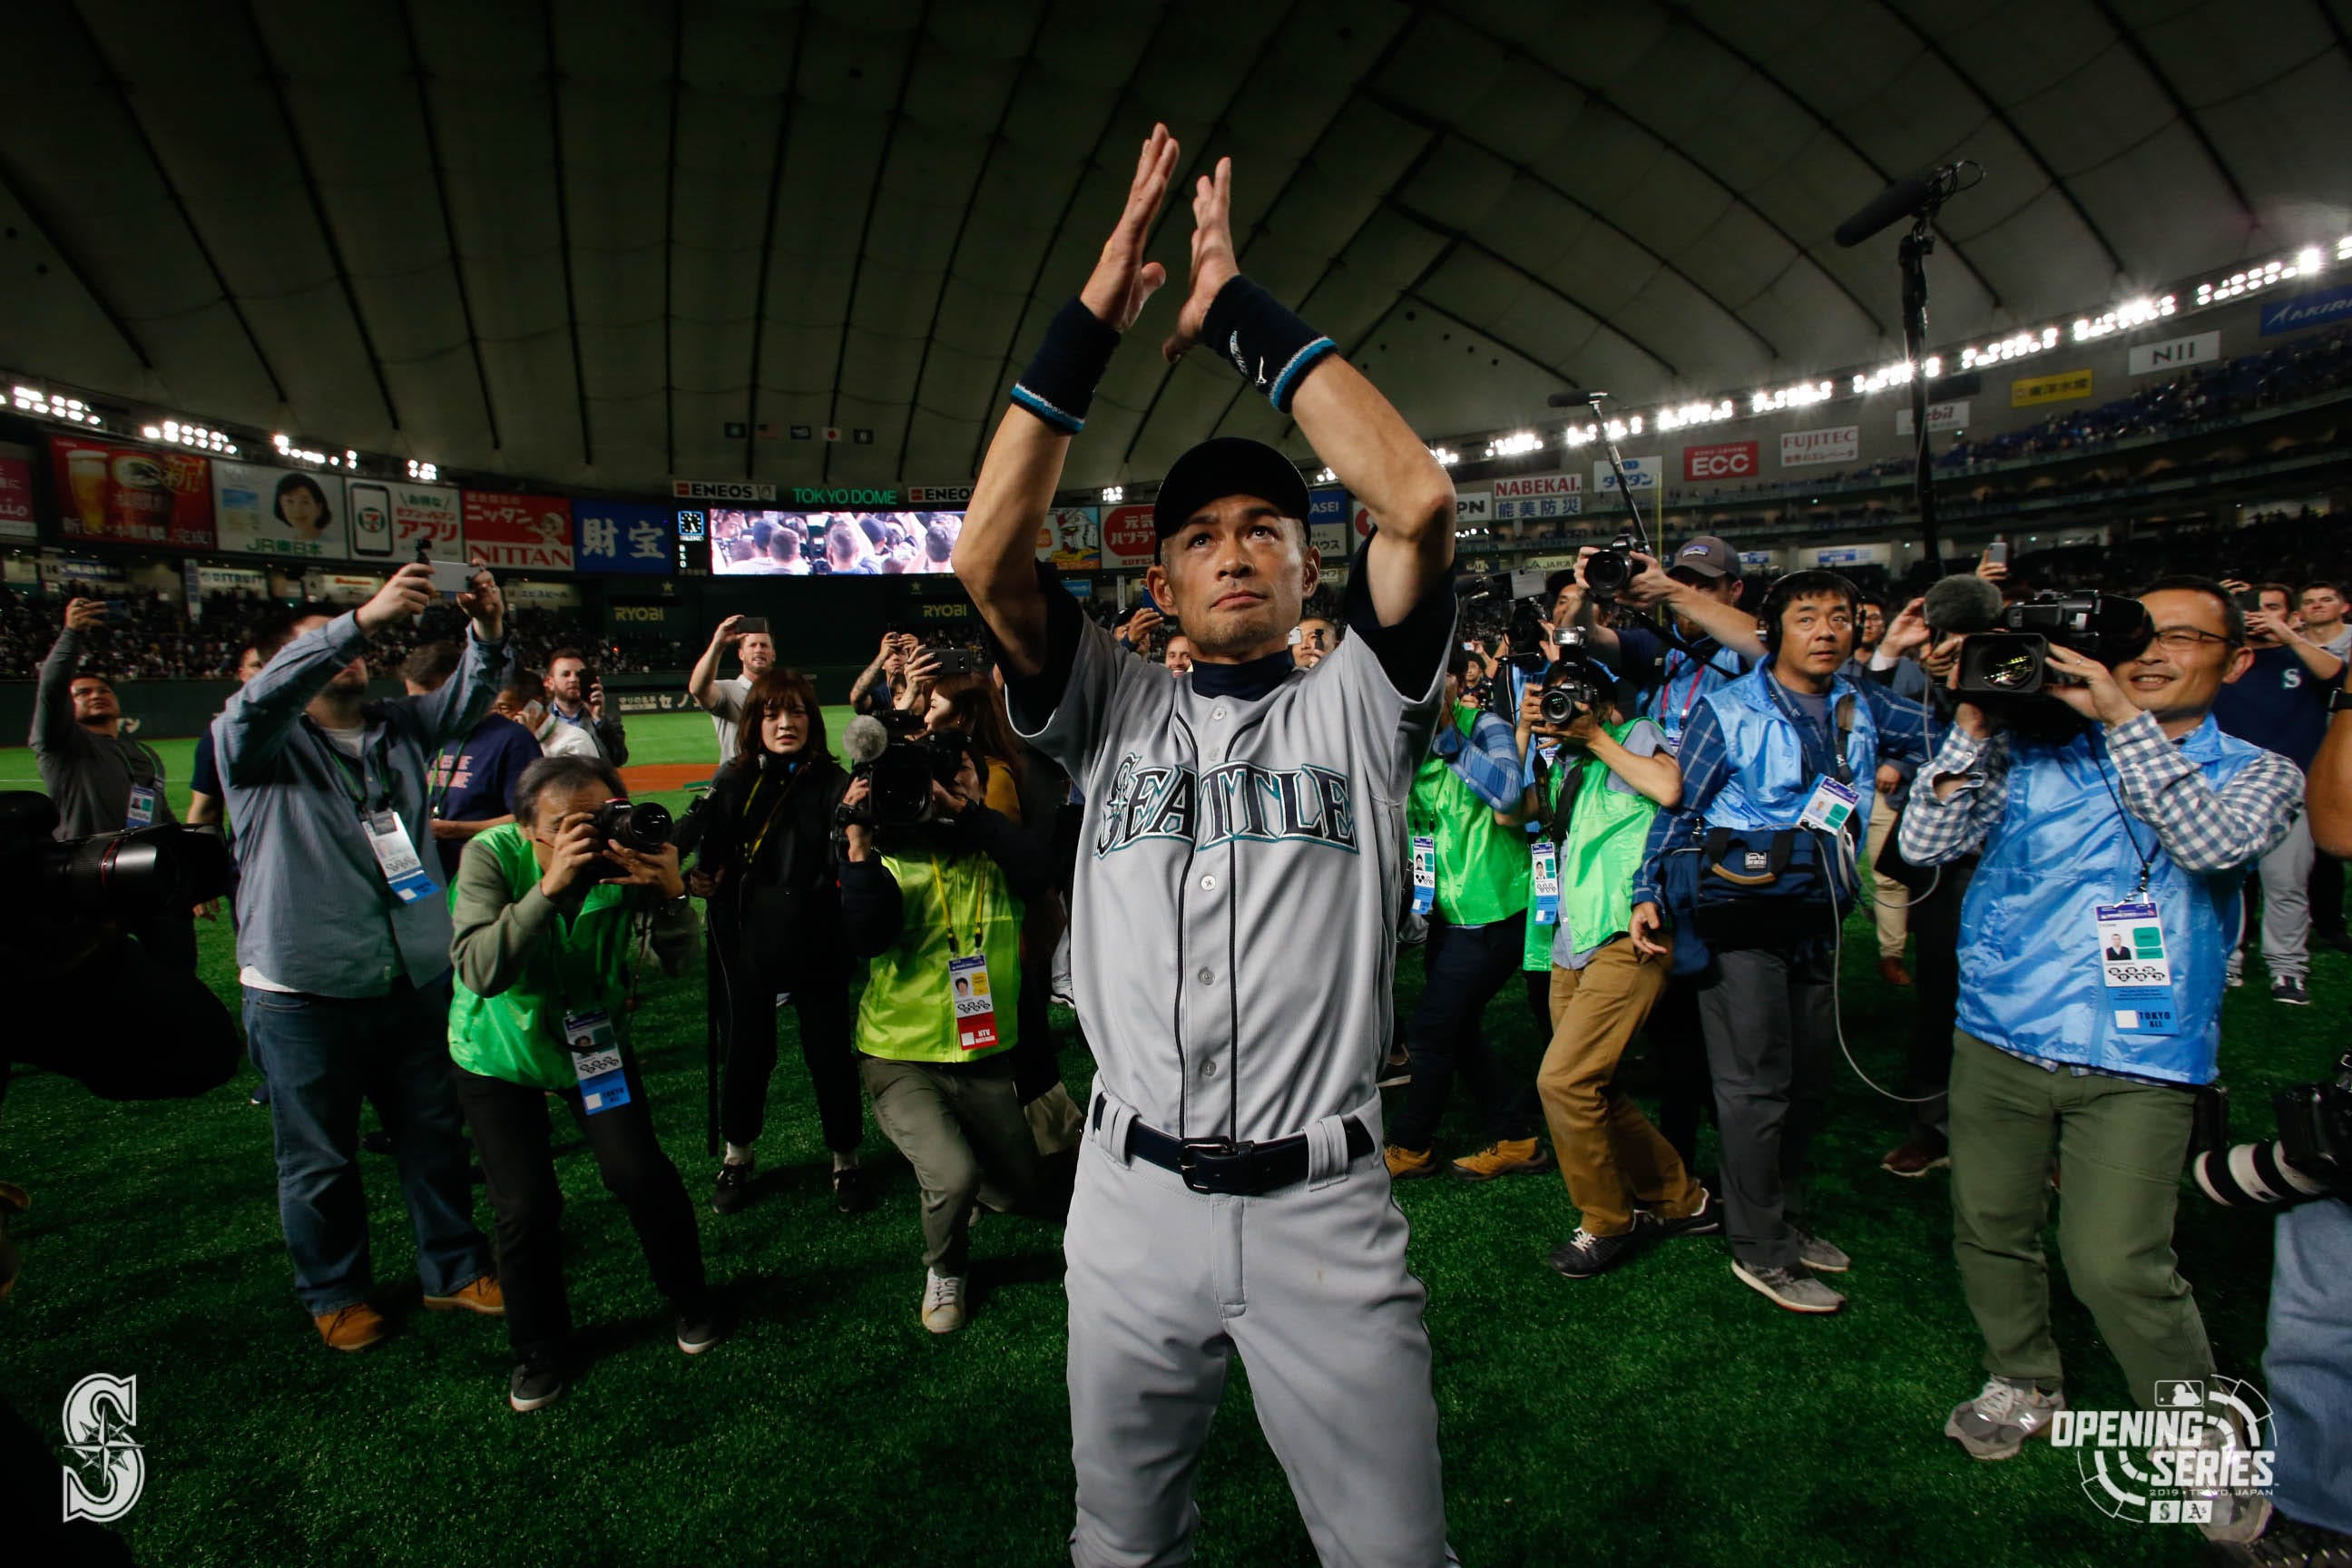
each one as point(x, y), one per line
point(2339, 701)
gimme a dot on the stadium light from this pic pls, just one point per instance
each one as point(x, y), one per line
point(1514, 444)
point(1113, 494)
point(46, 406)
point(1446, 457)
point(423, 473)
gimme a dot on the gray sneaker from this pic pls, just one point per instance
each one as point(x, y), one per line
point(1791, 1288)
point(1996, 1423)
point(1821, 1257)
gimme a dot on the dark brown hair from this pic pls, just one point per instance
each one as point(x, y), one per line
point(773, 691)
point(976, 707)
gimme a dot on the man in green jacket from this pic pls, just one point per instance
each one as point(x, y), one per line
point(544, 911)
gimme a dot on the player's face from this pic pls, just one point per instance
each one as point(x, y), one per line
point(758, 652)
point(93, 700)
point(1235, 575)
point(1816, 634)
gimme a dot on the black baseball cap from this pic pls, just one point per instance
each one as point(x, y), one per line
point(1227, 466)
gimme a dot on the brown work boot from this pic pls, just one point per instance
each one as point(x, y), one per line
point(1915, 1157)
point(1405, 1163)
point(1510, 1157)
point(481, 1295)
point(352, 1328)
point(1891, 970)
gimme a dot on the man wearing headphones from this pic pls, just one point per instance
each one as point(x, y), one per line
point(1778, 749)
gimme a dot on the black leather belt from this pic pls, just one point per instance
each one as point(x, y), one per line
point(1223, 1166)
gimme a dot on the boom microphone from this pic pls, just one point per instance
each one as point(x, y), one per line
point(1961, 603)
point(865, 738)
point(1899, 200)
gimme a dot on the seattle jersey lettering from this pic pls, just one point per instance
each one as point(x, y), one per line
point(1237, 800)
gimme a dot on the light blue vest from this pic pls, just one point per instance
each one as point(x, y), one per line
point(1770, 780)
point(2029, 970)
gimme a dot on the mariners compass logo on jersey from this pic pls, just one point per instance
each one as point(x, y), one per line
point(1232, 801)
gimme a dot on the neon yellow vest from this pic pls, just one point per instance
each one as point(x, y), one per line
point(1607, 829)
point(517, 1034)
point(908, 1013)
point(1482, 867)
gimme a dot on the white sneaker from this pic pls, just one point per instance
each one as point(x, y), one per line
point(943, 1302)
point(2004, 1416)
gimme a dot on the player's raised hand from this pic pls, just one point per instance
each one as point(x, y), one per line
point(1122, 279)
point(1213, 262)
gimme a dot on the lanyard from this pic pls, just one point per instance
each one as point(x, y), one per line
point(2147, 860)
point(979, 892)
point(1699, 666)
point(1833, 743)
point(353, 773)
point(792, 775)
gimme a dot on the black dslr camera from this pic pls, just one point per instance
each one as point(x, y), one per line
point(1525, 590)
point(117, 877)
point(2311, 1157)
point(1574, 684)
point(899, 764)
point(642, 825)
point(1609, 569)
point(2015, 661)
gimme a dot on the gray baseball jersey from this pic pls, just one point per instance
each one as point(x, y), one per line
point(1233, 925)
point(727, 713)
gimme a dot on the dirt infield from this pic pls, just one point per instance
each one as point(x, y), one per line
point(655, 777)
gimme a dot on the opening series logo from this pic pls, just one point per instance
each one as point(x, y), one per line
point(2207, 1437)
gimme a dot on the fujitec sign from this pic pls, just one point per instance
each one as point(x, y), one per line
point(1837, 444)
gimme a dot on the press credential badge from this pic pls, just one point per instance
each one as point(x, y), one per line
point(2138, 972)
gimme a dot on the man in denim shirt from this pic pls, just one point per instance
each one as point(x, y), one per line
point(343, 943)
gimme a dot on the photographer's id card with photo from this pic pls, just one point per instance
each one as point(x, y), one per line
point(1831, 807)
point(1545, 910)
point(975, 1008)
point(1424, 873)
point(597, 1058)
point(403, 872)
point(143, 808)
point(2138, 972)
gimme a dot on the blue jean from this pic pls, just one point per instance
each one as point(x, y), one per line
point(2309, 1363)
point(1446, 1037)
point(322, 1055)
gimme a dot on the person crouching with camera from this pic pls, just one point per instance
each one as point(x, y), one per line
point(2093, 948)
point(767, 866)
point(544, 910)
point(1595, 802)
point(937, 905)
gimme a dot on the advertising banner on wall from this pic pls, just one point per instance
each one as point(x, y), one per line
point(229, 580)
point(16, 499)
point(542, 595)
point(519, 533)
point(623, 537)
point(388, 518)
point(285, 512)
point(1834, 444)
point(1721, 461)
point(1327, 521)
point(58, 568)
point(1942, 417)
point(1473, 509)
point(128, 495)
point(341, 587)
point(1523, 497)
point(1071, 538)
point(1126, 537)
point(2150, 359)
point(2319, 309)
point(1641, 474)
point(2058, 386)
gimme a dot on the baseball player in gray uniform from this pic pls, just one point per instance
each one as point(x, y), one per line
point(1237, 887)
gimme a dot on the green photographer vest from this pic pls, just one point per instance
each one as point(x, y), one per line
point(908, 1013)
point(1607, 831)
point(517, 1034)
point(1483, 870)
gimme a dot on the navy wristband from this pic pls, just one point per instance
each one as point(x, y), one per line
point(1264, 340)
point(1059, 384)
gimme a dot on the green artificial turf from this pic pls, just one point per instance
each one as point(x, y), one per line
point(1663, 1414)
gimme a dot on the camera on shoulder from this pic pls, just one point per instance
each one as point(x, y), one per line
point(899, 764)
point(2014, 661)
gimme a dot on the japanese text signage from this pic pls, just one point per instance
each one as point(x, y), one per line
point(519, 533)
point(623, 537)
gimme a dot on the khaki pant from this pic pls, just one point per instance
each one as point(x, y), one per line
point(1610, 1155)
point(1892, 909)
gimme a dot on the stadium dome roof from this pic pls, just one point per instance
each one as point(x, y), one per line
point(577, 240)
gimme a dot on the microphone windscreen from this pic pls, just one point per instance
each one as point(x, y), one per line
point(1962, 603)
point(1899, 200)
point(865, 739)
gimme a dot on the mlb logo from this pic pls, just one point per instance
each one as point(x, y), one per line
point(2180, 1393)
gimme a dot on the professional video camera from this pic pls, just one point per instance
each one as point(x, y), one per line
point(1525, 590)
point(120, 876)
point(2014, 661)
point(899, 764)
point(1574, 683)
point(2311, 1157)
point(1609, 569)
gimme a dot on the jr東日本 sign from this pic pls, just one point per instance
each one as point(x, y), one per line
point(1127, 539)
point(130, 496)
point(1942, 417)
point(284, 512)
point(16, 499)
point(1641, 474)
point(1835, 444)
point(2174, 353)
point(2059, 386)
point(1721, 461)
point(388, 518)
point(1524, 496)
point(623, 537)
point(1069, 538)
point(719, 490)
point(519, 533)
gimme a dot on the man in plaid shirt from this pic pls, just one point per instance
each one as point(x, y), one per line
point(2134, 831)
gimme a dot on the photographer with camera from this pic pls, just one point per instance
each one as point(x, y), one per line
point(1757, 866)
point(2280, 703)
point(878, 686)
point(768, 868)
point(1595, 803)
point(2139, 825)
point(576, 723)
point(723, 699)
point(938, 906)
point(546, 912)
point(1471, 877)
point(343, 943)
